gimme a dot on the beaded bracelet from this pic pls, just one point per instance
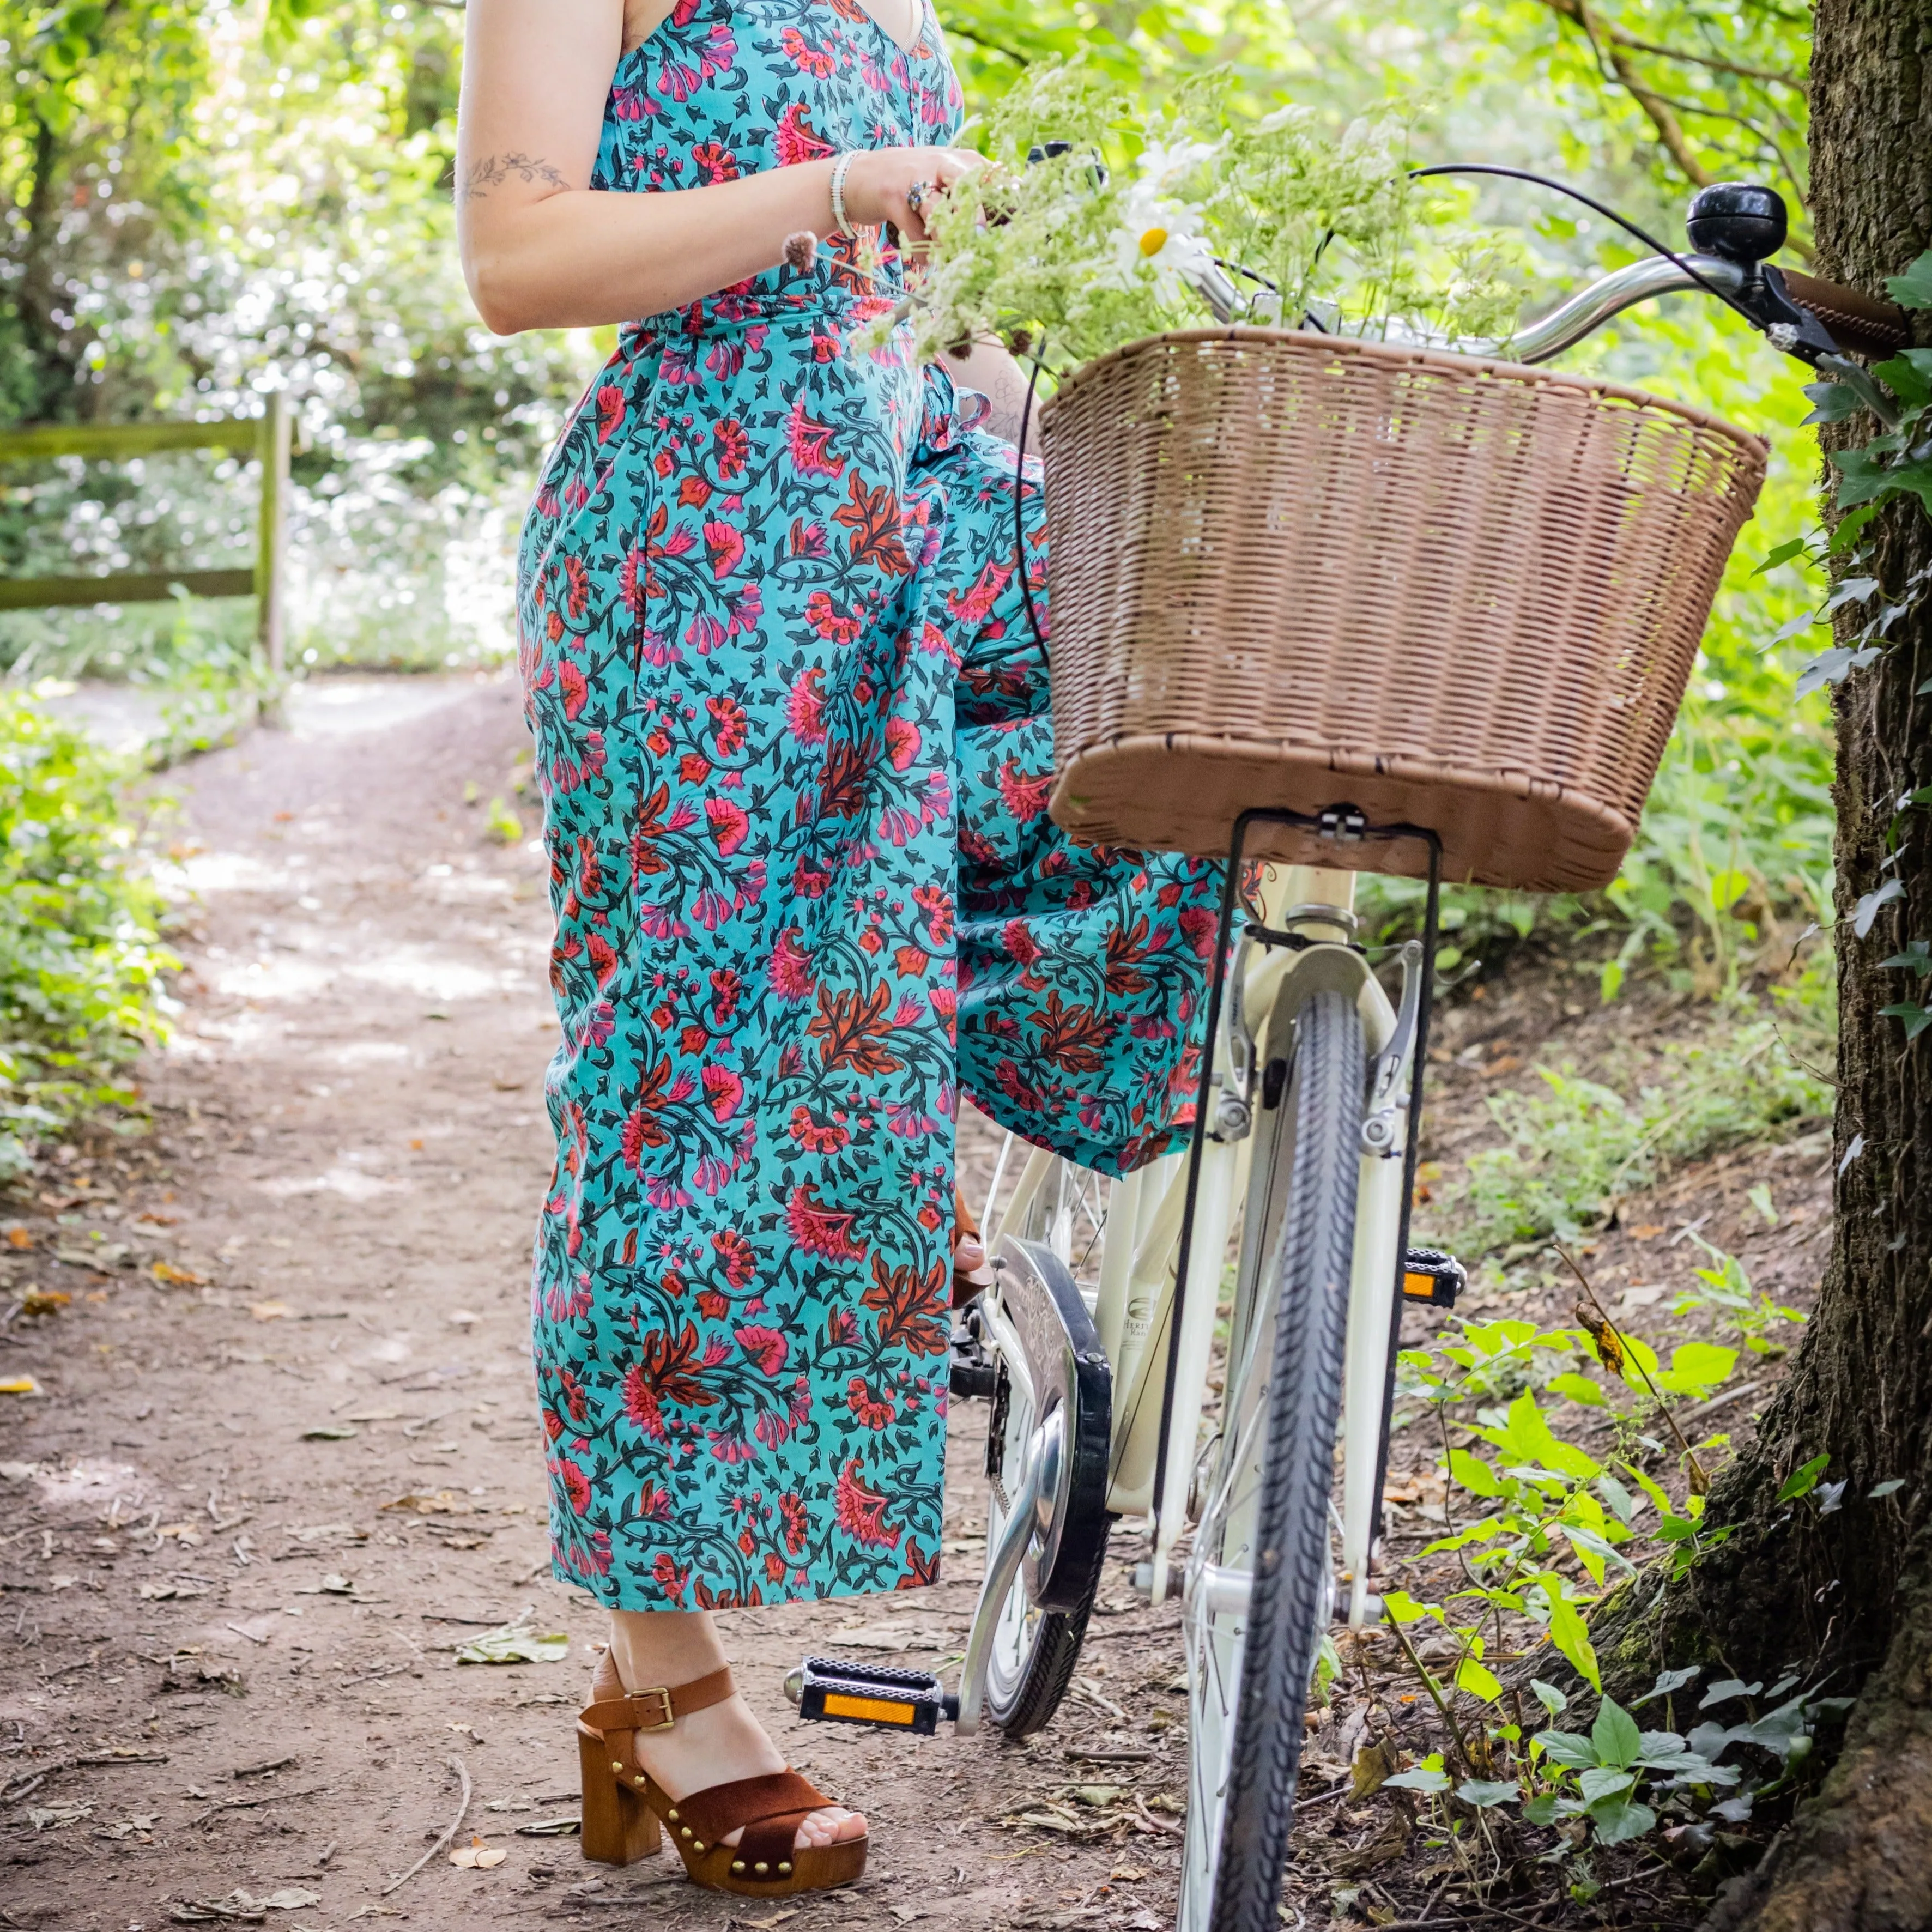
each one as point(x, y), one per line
point(840, 168)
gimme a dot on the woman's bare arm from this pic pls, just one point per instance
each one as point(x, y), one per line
point(989, 368)
point(541, 249)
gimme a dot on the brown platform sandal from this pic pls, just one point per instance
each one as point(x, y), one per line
point(626, 1811)
point(966, 1282)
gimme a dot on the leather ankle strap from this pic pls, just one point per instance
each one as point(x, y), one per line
point(658, 1707)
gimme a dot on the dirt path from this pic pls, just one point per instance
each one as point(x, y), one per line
point(226, 1633)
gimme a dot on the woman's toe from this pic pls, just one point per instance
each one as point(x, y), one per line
point(830, 1826)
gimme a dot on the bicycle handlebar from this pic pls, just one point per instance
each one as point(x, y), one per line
point(1733, 226)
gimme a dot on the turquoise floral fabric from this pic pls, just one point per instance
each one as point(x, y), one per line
point(792, 740)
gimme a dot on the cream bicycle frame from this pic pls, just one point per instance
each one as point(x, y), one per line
point(1140, 1242)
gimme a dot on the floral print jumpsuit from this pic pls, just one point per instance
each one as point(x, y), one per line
point(792, 739)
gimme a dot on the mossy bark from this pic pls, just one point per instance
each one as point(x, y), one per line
point(1845, 1597)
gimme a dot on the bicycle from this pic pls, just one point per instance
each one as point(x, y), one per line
point(1304, 1145)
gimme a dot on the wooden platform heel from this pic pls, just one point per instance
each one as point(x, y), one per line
point(626, 1813)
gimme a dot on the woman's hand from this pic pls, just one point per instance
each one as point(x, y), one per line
point(895, 185)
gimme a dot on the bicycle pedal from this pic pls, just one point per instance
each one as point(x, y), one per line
point(837, 1692)
point(1433, 1277)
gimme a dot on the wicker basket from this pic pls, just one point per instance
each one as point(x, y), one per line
point(1294, 572)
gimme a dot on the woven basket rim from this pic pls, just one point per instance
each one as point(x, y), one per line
point(1439, 360)
point(1524, 787)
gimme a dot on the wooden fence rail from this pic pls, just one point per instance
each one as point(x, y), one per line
point(264, 438)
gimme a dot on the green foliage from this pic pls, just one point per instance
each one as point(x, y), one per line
point(1572, 1153)
point(232, 203)
point(80, 959)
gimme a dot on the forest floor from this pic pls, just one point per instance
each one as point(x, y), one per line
point(283, 1459)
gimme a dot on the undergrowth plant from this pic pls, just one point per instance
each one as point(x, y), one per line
point(80, 958)
point(1545, 1526)
point(1571, 1153)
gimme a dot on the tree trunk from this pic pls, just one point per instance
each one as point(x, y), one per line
point(1845, 1596)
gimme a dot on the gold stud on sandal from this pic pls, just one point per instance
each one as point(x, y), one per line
point(625, 1812)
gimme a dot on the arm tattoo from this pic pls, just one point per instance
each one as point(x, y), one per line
point(495, 169)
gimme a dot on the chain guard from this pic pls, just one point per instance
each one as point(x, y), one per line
point(1069, 1371)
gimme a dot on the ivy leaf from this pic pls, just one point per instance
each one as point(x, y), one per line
point(1914, 1019)
point(1615, 1736)
point(1862, 477)
point(1913, 289)
point(1552, 1699)
point(1785, 552)
point(1884, 1489)
point(1832, 402)
point(1917, 958)
point(1424, 1777)
point(1834, 667)
point(1865, 914)
point(1909, 373)
point(1801, 1482)
point(1851, 527)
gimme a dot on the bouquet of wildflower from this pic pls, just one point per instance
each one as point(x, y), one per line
point(1091, 226)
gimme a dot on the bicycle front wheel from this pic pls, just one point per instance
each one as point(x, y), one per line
point(1259, 1588)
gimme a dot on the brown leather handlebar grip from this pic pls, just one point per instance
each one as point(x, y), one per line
point(1861, 324)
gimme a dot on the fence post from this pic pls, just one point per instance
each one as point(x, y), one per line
point(272, 448)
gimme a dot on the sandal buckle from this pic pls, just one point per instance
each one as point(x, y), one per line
point(662, 1693)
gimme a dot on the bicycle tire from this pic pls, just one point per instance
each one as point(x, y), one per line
point(1290, 1590)
point(1043, 1684)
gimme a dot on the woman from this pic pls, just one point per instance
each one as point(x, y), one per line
point(791, 729)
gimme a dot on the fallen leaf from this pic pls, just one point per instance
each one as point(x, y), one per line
point(20, 1385)
point(1371, 1768)
point(518, 1642)
point(1648, 1231)
point(168, 1275)
point(103, 1259)
point(322, 1531)
point(439, 1502)
point(17, 1237)
point(44, 1300)
point(186, 1534)
point(269, 1311)
point(51, 1817)
point(551, 1828)
point(158, 1220)
point(331, 1431)
point(477, 1856)
point(461, 1318)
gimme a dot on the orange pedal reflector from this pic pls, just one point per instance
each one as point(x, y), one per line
point(1429, 1275)
point(868, 1710)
